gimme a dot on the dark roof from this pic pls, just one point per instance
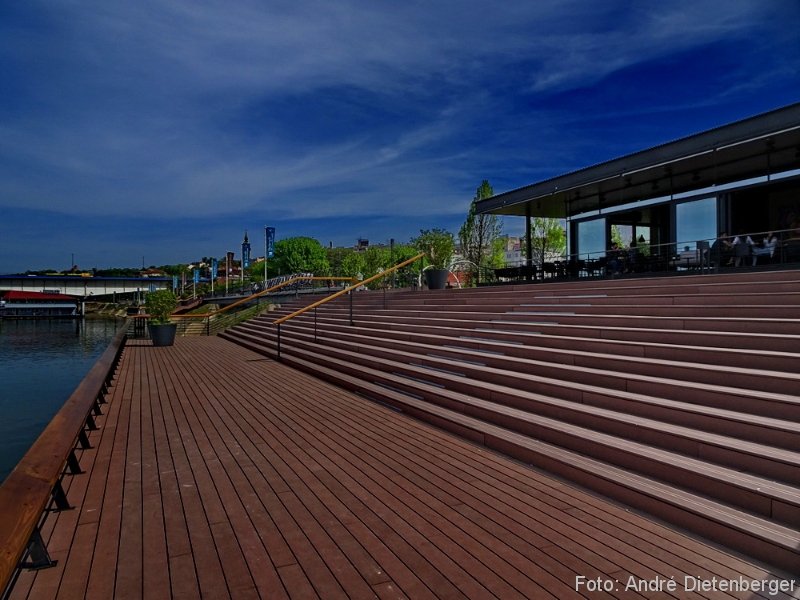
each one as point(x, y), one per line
point(766, 143)
point(81, 278)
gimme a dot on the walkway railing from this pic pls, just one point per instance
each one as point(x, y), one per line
point(348, 290)
point(35, 483)
point(703, 256)
point(210, 323)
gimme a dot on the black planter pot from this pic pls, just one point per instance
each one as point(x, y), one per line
point(163, 335)
point(436, 278)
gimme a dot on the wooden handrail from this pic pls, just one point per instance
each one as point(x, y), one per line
point(27, 491)
point(262, 293)
point(347, 290)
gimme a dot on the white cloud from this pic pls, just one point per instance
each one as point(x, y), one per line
point(130, 100)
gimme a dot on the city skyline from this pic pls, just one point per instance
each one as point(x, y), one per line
point(167, 129)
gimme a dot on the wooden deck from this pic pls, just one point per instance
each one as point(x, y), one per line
point(218, 473)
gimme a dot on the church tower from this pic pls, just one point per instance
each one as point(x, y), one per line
point(245, 252)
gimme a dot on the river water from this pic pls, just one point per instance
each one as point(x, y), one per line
point(41, 364)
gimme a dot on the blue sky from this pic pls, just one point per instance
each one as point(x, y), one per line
point(161, 130)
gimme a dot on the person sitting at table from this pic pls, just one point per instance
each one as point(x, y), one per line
point(767, 247)
point(630, 265)
point(741, 248)
point(722, 250)
point(614, 260)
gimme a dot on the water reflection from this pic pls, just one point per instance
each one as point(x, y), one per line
point(41, 364)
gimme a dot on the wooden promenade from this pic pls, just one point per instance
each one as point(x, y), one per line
point(219, 473)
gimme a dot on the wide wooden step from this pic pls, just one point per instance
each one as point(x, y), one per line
point(570, 349)
point(671, 291)
point(649, 389)
point(518, 330)
point(754, 324)
point(510, 388)
point(609, 360)
point(467, 301)
point(767, 540)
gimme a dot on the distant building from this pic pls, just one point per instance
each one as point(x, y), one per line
point(152, 273)
point(30, 305)
point(512, 250)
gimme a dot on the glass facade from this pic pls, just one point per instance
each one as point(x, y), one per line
point(694, 221)
point(592, 238)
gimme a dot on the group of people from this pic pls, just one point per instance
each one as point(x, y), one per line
point(727, 251)
point(623, 260)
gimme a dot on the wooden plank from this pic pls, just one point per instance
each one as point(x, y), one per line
point(155, 578)
point(210, 576)
point(354, 436)
point(271, 483)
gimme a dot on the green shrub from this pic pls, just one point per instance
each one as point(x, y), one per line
point(160, 305)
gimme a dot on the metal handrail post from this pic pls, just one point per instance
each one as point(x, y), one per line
point(279, 341)
point(315, 324)
point(351, 308)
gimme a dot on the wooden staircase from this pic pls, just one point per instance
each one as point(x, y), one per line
point(677, 396)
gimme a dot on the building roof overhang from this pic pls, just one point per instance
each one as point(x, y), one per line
point(764, 144)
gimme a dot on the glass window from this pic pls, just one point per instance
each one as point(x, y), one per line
point(695, 221)
point(592, 238)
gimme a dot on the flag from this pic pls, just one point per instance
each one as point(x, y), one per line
point(270, 237)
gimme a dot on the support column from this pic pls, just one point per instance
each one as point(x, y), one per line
point(528, 239)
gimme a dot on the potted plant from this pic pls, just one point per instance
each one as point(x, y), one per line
point(439, 247)
point(160, 305)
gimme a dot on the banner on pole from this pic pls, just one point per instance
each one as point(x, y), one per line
point(214, 269)
point(270, 237)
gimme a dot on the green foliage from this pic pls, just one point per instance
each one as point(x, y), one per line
point(372, 261)
point(174, 269)
point(160, 305)
point(299, 255)
point(616, 237)
point(255, 272)
point(438, 246)
point(403, 252)
point(478, 234)
point(548, 239)
point(353, 265)
point(497, 259)
point(336, 257)
point(118, 272)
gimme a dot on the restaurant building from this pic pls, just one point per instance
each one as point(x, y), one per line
point(740, 178)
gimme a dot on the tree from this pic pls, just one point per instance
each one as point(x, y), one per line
point(336, 257)
point(300, 255)
point(478, 233)
point(353, 265)
point(548, 239)
point(437, 244)
point(616, 237)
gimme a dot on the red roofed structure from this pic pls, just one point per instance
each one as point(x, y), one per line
point(16, 304)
